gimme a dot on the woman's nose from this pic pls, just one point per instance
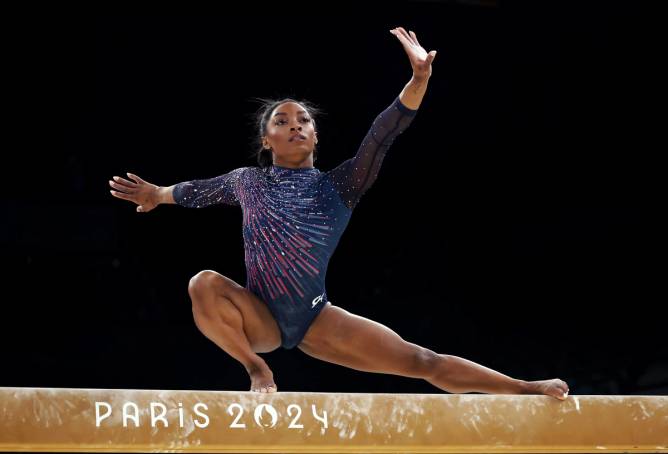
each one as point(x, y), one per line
point(298, 128)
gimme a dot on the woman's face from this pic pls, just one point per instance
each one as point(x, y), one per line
point(290, 132)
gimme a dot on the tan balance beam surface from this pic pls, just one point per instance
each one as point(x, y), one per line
point(116, 420)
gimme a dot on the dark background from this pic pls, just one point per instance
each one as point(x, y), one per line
point(512, 224)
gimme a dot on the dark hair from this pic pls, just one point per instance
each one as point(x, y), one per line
point(261, 119)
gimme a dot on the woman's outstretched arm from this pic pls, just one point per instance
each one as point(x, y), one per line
point(191, 194)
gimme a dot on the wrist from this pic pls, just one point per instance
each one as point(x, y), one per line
point(419, 79)
point(412, 94)
point(161, 194)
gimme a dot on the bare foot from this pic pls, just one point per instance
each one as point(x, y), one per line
point(262, 380)
point(556, 388)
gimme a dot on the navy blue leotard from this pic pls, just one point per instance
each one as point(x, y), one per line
point(293, 220)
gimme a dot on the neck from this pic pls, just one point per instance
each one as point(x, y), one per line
point(303, 164)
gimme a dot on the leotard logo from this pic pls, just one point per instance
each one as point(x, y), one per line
point(316, 300)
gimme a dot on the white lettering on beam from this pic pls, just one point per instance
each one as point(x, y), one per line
point(158, 412)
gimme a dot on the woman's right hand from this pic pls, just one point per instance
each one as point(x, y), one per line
point(143, 193)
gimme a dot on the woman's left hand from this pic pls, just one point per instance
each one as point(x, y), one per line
point(420, 59)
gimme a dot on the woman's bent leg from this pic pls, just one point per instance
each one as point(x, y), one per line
point(227, 315)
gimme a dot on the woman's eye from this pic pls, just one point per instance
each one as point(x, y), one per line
point(280, 122)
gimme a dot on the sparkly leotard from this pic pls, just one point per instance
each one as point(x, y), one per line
point(293, 220)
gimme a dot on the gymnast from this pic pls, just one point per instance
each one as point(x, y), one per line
point(293, 218)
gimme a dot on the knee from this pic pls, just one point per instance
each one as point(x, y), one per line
point(426, 362)
point(201, 283)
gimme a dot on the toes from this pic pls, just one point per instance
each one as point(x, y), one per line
point(561, 394)
point(265, 389)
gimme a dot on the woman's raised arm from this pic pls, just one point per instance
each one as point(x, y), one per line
point(356, 175)
point(412, 94)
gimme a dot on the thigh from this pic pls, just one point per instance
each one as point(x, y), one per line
point(259, 324)
point(339, 337)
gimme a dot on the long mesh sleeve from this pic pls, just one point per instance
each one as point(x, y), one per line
point(356, 175)
point(211, 191)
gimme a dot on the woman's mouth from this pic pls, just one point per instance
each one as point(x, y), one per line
point(297, 137)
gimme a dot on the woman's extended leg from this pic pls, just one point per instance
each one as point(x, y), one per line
point(339, 337)
point(238, 322)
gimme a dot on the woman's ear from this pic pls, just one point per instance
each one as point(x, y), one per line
point(315, 137)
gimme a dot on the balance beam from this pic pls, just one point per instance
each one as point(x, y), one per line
point(117, 420)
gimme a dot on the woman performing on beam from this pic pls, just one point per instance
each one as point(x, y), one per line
point(293, 218)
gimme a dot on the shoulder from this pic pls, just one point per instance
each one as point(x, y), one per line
point(250, 174)
point(244, 171)
point(250, 171)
